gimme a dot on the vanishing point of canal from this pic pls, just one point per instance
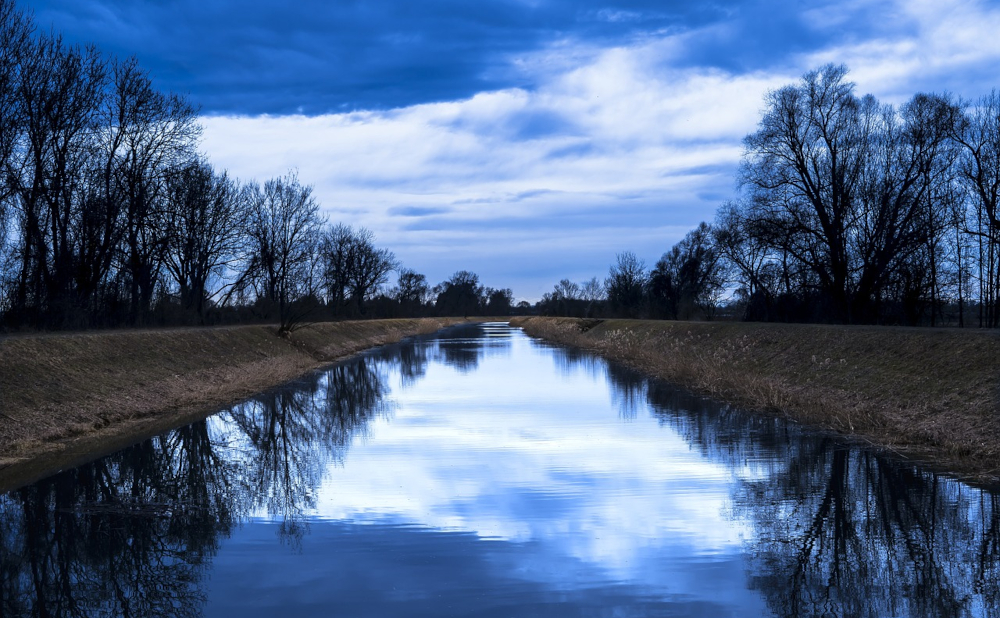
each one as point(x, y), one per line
point(479, 472)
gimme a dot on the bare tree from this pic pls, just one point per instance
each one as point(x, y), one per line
point(411, 291)
point(283, 235)
point(979, 169)
point(15, 45)
point(146, 134)
point(567, 289)
point(625, 284)
point(802, 167)
point(744, 254)
point(592, 290)
point(840, 184)
point(353, 267)
point(370, 268)
point(572, 299)
point(205, 233)
point(60, 90)
point(687, 279)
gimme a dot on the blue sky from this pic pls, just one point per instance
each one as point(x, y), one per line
point(526, 140)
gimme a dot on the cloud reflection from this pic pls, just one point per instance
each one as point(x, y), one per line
point(499, 480)
point(498, 458)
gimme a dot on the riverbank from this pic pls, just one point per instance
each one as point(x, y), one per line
point(67, 398)
point(930, 395)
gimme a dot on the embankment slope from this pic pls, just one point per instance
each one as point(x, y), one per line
point(926, 394)
point(65, 398)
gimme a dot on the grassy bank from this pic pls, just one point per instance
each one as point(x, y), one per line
point(69, 397)
point(926, 394)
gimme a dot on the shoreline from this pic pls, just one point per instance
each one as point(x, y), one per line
point(928, 396)
point(71, 398)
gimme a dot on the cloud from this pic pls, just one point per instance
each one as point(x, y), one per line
point(919, 46)
point(517, 507)
point(417, 211)
point(526, 140)
point(604, 503)
point(316, 57)
point(616, 154)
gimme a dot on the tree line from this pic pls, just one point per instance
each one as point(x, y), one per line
point(849, 210)
point(109, 215)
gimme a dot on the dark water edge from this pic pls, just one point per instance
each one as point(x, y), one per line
point(412, 482)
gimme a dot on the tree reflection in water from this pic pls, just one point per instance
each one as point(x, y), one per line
point(467, 344)
point(834, 531)
point(837, 530)
point(841, 531)
point(134, 533)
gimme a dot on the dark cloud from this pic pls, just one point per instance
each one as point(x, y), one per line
point(642, 211)
point(418, 211)
point(314, 56)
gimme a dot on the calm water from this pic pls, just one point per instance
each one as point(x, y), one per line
point(482, 473)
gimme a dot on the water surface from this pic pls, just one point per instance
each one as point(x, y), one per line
point(480, 472)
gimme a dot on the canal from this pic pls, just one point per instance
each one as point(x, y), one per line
point(479, 472)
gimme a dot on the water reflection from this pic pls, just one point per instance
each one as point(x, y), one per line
point(839, 531)
point(128, 535)
point(134, 533)
point(484, 473)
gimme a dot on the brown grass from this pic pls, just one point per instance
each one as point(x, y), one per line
point(70, 397)
point(927, 394)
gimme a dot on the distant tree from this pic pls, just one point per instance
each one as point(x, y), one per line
point(568, 290)
point(592, 290)
point(498, 302)
point(370, 268)
point(460, 295)
point(336, 254)
point(745, 260)
point(353, 267)
point(686, 281)
point(625, 284)
point(663, 289)
point(573, 299)
point(562, 300)
point(411, 292)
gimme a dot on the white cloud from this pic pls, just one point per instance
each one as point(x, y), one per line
point(476, 455)
point(652, 148)
point(921, 45)
point(517, 179)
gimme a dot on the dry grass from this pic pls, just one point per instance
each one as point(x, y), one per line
point(66, 397)
point(929, 394)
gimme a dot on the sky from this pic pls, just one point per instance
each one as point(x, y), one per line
point(525, 140)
